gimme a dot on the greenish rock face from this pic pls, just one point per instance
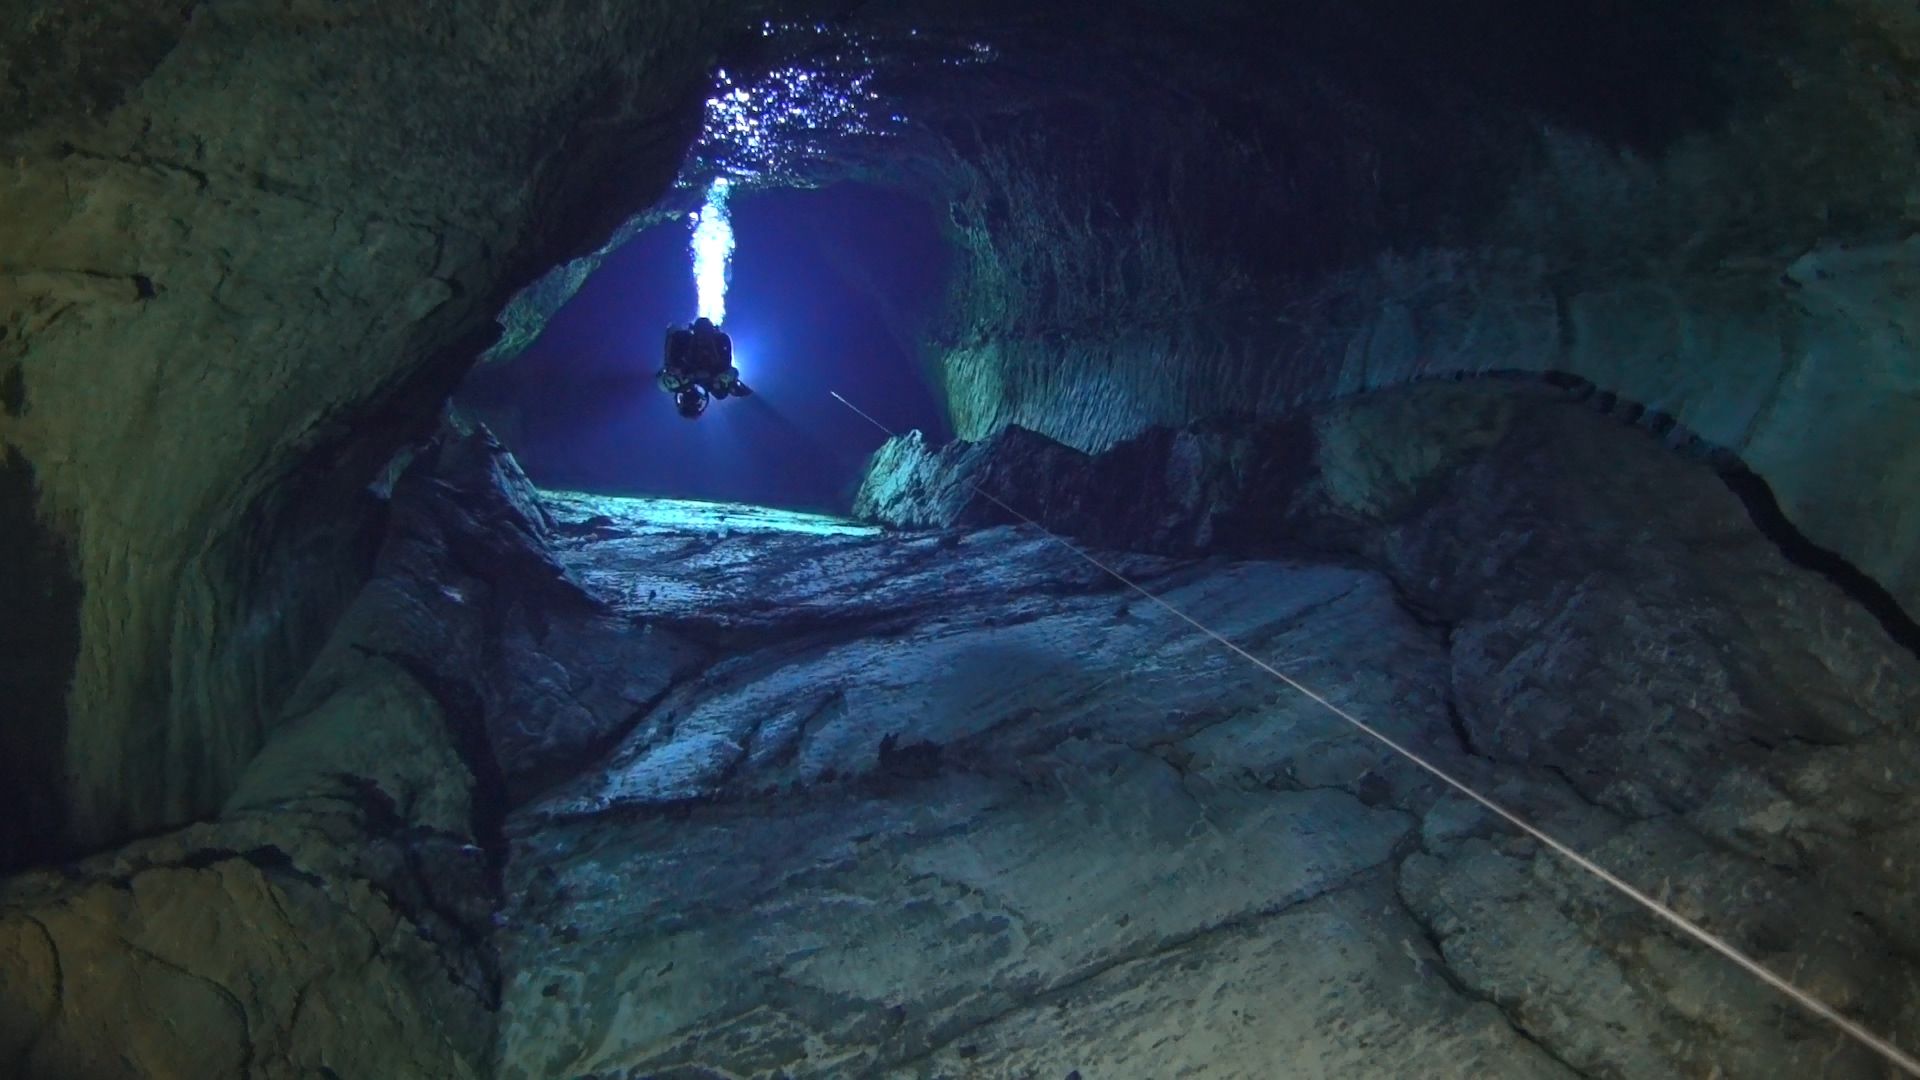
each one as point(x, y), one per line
point(1731, 252)
point(248, 254)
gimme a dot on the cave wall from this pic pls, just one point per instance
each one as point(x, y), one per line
point(1710, 213)
point(248, 249)
point(333, 918)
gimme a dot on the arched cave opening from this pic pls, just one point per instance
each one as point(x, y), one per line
point(831, 289)
point(1536, 386)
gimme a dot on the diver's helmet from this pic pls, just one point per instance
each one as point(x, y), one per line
point(691, 402)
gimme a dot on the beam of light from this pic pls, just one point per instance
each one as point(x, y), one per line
point(713, 251)
point(1894, 1055)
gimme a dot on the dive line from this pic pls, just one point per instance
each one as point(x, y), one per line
point(1699, 933)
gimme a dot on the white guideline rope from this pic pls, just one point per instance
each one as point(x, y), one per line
point(1706, 937)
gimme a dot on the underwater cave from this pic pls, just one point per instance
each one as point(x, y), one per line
point(829, 289)
point(1331, 538)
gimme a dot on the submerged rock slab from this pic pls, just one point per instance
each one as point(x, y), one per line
point(1565, 613)
point(586, 786)
point(866, 846)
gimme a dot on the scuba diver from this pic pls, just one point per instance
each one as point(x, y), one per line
point(699, 367)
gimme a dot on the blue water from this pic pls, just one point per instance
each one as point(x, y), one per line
point(832, 290)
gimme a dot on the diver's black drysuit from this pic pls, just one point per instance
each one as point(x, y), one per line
point(700, 358)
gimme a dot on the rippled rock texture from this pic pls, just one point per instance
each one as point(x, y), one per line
point(605, 787)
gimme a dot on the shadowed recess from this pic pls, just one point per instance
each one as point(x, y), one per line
point(39, 637)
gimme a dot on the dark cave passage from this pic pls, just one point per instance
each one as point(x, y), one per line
point(395, 685)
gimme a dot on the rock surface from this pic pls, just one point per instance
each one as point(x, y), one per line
point(955, 806)
point(336, 919)
point(249, 250)
point(589, 786)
